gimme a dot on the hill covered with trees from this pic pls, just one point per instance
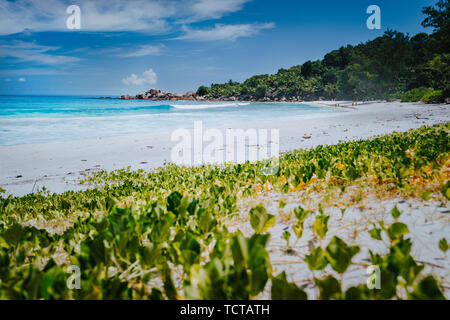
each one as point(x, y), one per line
point(392, 66)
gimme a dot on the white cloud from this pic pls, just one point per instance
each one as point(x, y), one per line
point(214, 9)
point(144, 50)
point(132, 15)
point(224, 32)
point(21, 80)
point(148, 77)
point(32, 52)
point(100, 15)
point(151, 16)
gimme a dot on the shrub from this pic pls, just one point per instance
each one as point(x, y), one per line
point(396, 96)
point(433, 97)
point(416, 94)
point(260, 91)
point(203, 91)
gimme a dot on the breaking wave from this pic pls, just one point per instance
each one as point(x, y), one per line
point(208, 106)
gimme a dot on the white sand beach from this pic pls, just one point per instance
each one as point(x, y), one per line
point(57, 166)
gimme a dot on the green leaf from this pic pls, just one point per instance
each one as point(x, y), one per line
point(375, 232)
point(14, 234)
point(260, 220)
point(114, 288)
point(397, 230)
point(401, 263)
point(317, 259)
point(443, 245)
point(399, 253)
point(298, 229)
point(95, 251)
point(174, 201)
point(387, 289)
point(160, 231)
point(320, 209)
point(320, 226)
point(206, 221)
point(300, 213)
point(286, 236)
point(3, 243)
point(339, 254)
point(427, 289)
point(54, 284)
point(150, 254)
point(169, 287)
point(258, 263)
point(283, 290)
point(192, 206)
point(156, 294)
point(329, 288)
point(239, 250)
point(375, 258)
point(360, 292)
point(388, 284)
point(395, 212)
point(426, 195)
point(189, 251)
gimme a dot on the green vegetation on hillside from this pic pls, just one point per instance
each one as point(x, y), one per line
point(393, 66)
point(164, 235)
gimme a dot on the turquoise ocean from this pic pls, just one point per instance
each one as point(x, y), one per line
point(39, 119)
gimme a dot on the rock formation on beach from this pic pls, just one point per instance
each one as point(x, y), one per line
point(155, 94)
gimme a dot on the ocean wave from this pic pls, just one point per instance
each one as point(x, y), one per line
point(208, 106)
point(108, 112)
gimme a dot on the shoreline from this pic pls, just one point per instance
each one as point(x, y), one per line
point(158, 95)
point(193, 97)
point(57, 166)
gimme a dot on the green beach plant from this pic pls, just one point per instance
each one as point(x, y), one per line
point(164, 234)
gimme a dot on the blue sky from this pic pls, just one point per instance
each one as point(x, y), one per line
point(131, 46)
